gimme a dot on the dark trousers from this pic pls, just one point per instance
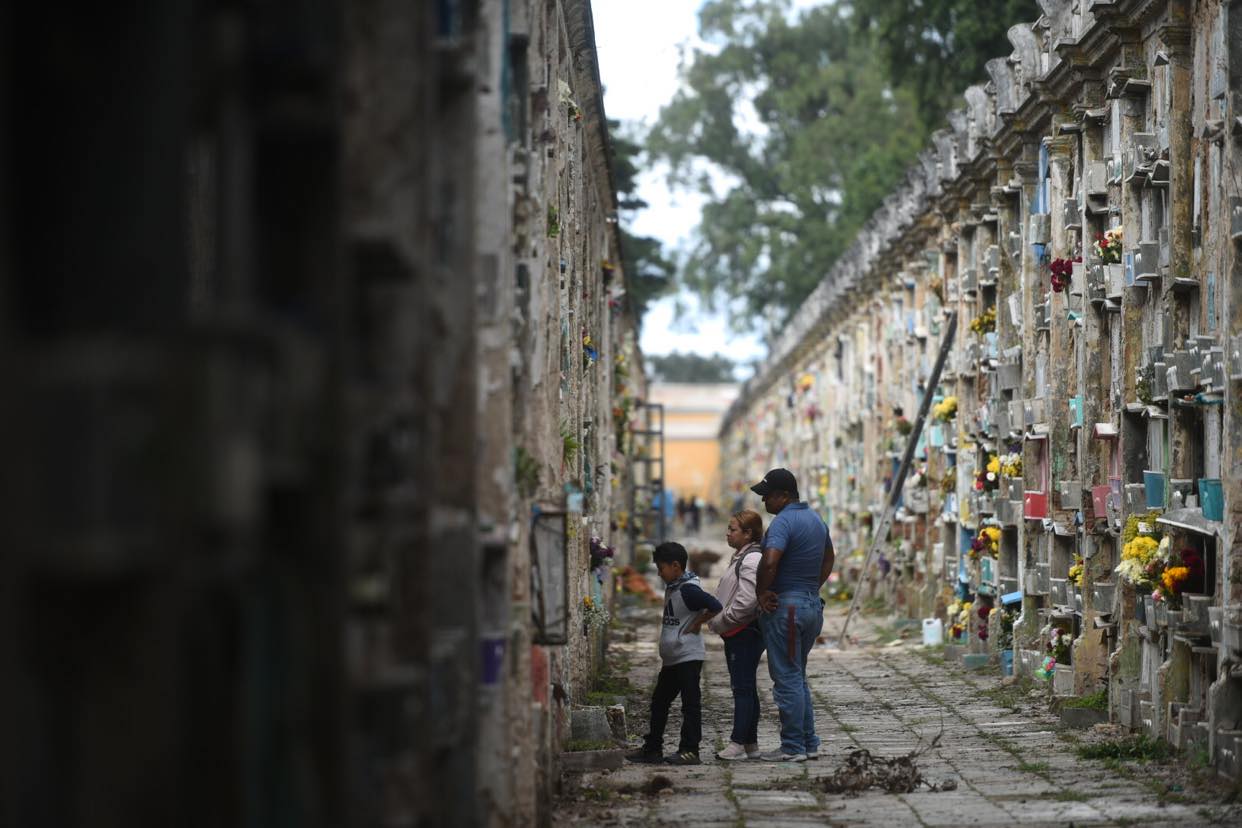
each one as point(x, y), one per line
point(673, 681)
point(742, 653)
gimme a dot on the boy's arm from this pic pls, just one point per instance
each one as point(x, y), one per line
point(697, 599)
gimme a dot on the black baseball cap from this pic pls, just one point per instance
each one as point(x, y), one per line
point(777, 480)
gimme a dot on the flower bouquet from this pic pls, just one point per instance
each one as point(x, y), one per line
point(987, 542)
point(1107, 246)
point(984, 322)
point(988, 480)
point(594, 613)
point(1062, 272)
point(945, 410)
point(1075, 572)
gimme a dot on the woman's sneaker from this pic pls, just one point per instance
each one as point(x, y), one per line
point(779, 755)
point(686, 757)
point(752, 751)
point(733, 753)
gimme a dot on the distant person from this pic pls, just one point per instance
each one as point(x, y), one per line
point(738, 625)
point(695, 515)
point(686, 608)
point(797, 559)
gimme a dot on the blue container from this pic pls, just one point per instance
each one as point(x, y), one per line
point(1211, 498)
point(1153, 484)
point(1006, 658)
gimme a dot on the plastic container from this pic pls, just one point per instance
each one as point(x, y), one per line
point(1006, 662)
point(933, 632)
point(1211, 498)
point(1153, 482)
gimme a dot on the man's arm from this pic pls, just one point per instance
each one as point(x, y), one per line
point(768, 568)
point(830, 557)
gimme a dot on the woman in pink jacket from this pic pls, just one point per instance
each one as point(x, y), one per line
point(738, 624)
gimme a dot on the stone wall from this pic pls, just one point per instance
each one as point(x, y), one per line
point(1114, 388)
point(293, 333)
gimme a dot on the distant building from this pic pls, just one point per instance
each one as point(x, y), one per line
point(692, 414)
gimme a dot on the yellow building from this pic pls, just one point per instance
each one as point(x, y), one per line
point(692, 413)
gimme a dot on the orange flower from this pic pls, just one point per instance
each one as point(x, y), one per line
point(1173, 577)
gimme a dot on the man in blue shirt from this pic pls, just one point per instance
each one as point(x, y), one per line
point(797, 559)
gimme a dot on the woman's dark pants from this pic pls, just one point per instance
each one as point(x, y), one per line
point(742, 653)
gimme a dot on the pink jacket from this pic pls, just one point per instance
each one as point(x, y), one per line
point(736, 591)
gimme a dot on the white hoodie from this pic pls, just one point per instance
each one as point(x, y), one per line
point(736, 590)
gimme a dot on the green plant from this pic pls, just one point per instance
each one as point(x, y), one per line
point(1093, 701)
point(576, 745)
point(554, 221)
point(569, 444)
point(525, 472)
point(1139, 748)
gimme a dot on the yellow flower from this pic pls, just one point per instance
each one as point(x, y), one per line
point(994, 465)
point(587, 601)
point(1173, 577)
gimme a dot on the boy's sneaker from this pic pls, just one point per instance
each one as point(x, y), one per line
point(812, 754)
point(779, 755)
point(686, 757)
point(733, 753)
point(643, 756)
point(752, 751)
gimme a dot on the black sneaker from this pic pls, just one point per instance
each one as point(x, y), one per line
point(643, 756)
point(686, 757)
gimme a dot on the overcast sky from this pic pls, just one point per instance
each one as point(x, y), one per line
point(640, 44)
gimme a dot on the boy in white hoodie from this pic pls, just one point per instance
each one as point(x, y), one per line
point(738, 624)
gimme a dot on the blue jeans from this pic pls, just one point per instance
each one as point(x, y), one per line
point(742, 653)
point(789, 633)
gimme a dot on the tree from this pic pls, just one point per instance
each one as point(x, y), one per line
point(936, 48)
point(829, 139)
point(649, 273)
point(691, 367)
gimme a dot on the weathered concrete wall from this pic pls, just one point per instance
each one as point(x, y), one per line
point(1106, 115)
point(285, 313)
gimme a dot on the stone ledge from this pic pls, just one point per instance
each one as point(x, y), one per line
point(587, 760)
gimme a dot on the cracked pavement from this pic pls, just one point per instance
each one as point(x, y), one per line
point(1010, 761)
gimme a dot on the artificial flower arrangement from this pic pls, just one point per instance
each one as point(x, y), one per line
point(1005, 640)
point(959, 617)
point(812, 412)
point(987, 542)
point(1075, 572)
point(1062, 273)
point(945, 410)
point(1011, 464)
point(601, 554)
point(984, 322)
point(589, 350)
point(948, 483)
point(1141, 563)
point(1108, 246)
point(1057, 647)
point(904, 426)
point(1183, 572)
point(918, 480)
point(594, 613)
point(806, 382)
point(988, 480)
point(984, 614)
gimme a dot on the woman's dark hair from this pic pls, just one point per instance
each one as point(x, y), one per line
point(670, 552)
point(749, 522)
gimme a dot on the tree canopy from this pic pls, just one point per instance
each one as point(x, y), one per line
point(937, 48)
point(796, 125)
point(649, 273)
point(691, 367)
point(798, 118)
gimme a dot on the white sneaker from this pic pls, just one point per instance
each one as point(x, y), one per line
point(779, 755)
point(733, 753)
point(752, 751)
point(812, 754)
